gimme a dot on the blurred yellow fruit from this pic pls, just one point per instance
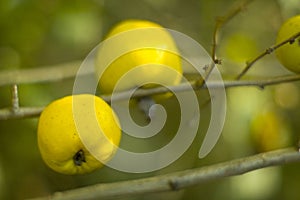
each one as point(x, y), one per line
point(289, 54)
point(240, 47)
point(138, 53)
point(270, 131)
point(64, 123)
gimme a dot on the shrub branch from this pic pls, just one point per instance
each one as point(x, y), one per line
point(25, 112)
point(179, 180)
point(267, 52)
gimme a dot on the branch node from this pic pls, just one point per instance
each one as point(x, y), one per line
point(199, 84)
point(174, 185)
point(298, 146)
point(205, 67)
point(292, 40)
point(269, 50)
point(262, 87)
point(218, 61)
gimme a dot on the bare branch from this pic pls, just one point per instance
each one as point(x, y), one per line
point(23, 112)
point(221, 21)
point(179, 180)
point(266, 52)
point(265, 82)
point(40, 74)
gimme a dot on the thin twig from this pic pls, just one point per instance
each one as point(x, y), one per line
point(221, 21)
point(195, 85)
point(179, 180)
point(208, 71)
point(267, 52)
point(24, 112)
point(14, 98)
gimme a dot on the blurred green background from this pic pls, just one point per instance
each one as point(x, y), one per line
point(39, 33)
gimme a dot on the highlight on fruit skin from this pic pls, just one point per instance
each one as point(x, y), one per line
point(288, 54)
point(67, 125)
point(137, 53)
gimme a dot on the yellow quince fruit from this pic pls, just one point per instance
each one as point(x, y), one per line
point(78, 134)
point(289, 54)
point(137, 53)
